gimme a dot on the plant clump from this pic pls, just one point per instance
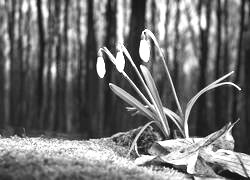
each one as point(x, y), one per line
point(189, 150)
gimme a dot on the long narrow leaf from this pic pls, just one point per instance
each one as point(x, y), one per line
point(172, 115)
point(207, 88)
point(169, 112)
point(131, 100)
point(157, 101)
point(139, 75)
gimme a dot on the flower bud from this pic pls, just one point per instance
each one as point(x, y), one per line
point(120, 61)
point(100, 67)
point(144, 49)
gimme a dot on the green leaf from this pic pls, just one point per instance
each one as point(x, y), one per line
point(213, 85)
point(131, 100)
point(157, 101)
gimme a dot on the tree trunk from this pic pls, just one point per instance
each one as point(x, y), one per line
point(110, 41)
point(64, 69)
point(49, 108)
point(203, 125)
point(218, 67)
point(226, 63)
point(234, 111)
point(137, 25)
point(153, 29)
point(176, 51)
point(26, 71)
point(58, 105)
point(164, 87)
point(21, 69)
point(11, 6)
point(91, 85)
point(246, 46)
point(40, 90)
point(79, 84)
point(2, 74)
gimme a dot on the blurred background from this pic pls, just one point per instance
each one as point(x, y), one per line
point(48, 51)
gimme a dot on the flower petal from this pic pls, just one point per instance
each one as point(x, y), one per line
point(120, 61)
point(100, 67)
point(144, 50)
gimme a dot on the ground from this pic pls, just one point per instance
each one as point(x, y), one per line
point(52, 158)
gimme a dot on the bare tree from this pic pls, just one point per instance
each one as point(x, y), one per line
point(204, 6)
point(58, 40)
point(91, 86)
point(218, 66)
point(40, 88)
point(176, 49)
point(20, 68)
point(2, 74)
point(110, 41)
point(49, 108)
point(238, 66)
point(246, 70)
point(79, 84)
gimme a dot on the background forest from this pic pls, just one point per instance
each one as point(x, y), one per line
point(48, 52)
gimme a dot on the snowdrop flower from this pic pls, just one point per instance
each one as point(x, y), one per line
point(119, 60)
point(144, 49)
point(100, 66)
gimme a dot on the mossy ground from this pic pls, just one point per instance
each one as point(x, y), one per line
point(51, 158)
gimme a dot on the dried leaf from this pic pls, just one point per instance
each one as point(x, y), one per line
point(203, 169)
point(229, 160)
point(194, 154)
point(143, 159)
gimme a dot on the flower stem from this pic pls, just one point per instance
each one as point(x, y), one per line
point(148, 32)
point(154, 107)
point(112, 59)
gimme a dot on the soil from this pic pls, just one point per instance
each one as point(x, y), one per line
point(54, 158)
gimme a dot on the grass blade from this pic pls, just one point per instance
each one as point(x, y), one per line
point(131, 100)
point(157, 101)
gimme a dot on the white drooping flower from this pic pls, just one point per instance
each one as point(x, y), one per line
point(100, 67)
point(144, 49)
point(119, 61)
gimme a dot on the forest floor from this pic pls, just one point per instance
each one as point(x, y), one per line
point(54, 158)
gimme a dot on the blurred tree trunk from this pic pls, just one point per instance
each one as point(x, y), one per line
point(79, 84)
point(192, 31)
point(11, 7)
point(91, 84)
point(21, 69)
point(234, 111)
point(226, 63)
point(26, 70)
point(110, 42)
point(58, 106)
point(204, 9)
point(176, 51)
point(137, 25)
point(218, 67)
point(64, 120)
point(246, 46)
point(40, 88)
point(153, 29)
point(2, 74)
point(49, 108)
point(164, 87)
